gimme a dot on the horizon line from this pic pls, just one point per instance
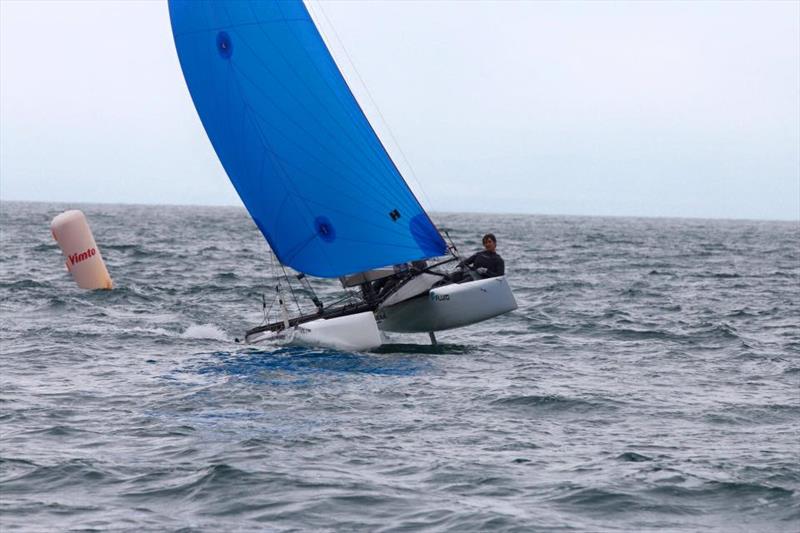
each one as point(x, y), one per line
point(468, 212)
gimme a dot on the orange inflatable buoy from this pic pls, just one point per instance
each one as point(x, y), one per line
point(72, 233)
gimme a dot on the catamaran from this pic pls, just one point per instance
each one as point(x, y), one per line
point(317, 181)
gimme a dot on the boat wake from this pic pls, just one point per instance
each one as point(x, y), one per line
point(205, 332)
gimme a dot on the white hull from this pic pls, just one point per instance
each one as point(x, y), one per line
point(357, 332)
point(447, 307)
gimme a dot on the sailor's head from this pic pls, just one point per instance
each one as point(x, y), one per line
point(489, 242)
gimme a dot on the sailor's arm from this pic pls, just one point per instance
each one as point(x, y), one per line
point(468, 261)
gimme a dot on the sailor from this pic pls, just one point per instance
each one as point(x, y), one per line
point(487, 263)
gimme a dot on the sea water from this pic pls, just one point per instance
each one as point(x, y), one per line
point(649, 381)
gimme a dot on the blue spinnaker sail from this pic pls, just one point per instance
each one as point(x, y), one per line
point(295, 143)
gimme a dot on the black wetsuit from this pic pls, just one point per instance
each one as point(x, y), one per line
point(491, 261)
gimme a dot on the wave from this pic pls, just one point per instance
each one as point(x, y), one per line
point(624, 333)
point(122, 247)
point(633, 457)
point(600, 501)
point(59, 431)
point(24, 284)
point(643, 334)
point(551, 403)
point(734, 489)
point(197, 485)
point(743, 415)
point(675, 500)
point(68, 474)
point(12, 468)
point(741, 313)
point(721, 330)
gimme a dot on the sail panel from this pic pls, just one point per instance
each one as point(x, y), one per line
point(292, 138)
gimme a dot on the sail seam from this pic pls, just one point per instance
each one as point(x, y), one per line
point(377, 162)
point(389, 157)
point(357, 116)
point(381, 190)
point(360, 172)
point(214, 29)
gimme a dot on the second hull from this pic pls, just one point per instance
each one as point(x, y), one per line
point(447, 307)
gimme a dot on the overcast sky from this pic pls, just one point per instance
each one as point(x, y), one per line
point(639, 108)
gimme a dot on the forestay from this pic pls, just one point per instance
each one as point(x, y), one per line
point(295, 143)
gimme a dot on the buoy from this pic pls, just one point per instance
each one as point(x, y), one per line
point(83, 260)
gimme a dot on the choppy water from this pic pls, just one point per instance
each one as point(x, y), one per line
point(649, 381)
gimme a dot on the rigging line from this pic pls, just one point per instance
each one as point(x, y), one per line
point(365, 141)
point(374, 103)
point(266, 145)
point(299, 247)
point(273, 274)
point(322, 146)
point(264, 65)
point(326, 60)
point(289, 195)
point(359, 119)
point(358, 161)
point(388, 157)
point(406, 201)
point(396, 196)
point(345, 166)
point(229, 125)
point(291, 289)
point(269, 311)
point(294, 197)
